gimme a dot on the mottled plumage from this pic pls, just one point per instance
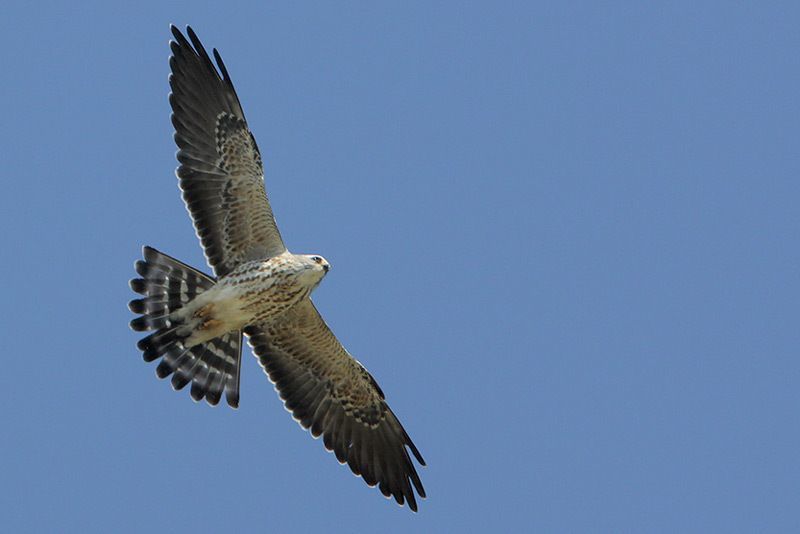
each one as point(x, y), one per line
point(262, 290)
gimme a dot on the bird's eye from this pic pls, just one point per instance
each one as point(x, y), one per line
point(317, 259)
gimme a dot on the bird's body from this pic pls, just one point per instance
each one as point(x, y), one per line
point(258, 291)
point(261, 290)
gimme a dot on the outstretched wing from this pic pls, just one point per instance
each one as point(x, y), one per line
point(221, 173)
point(332, 394)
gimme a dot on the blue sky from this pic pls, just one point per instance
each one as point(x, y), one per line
point(564, 240)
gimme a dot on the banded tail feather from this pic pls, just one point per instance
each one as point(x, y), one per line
point(166, 285)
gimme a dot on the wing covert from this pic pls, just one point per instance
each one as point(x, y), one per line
point(221, 172)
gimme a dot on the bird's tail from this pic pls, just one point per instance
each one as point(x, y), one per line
point(168, 285)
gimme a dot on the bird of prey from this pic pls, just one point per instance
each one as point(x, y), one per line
point(260, 290)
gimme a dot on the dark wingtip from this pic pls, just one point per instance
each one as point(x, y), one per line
point(417, 483)
point(413, 447)
point(222, 69)
point(192, 35)
point(232, 400)
point(412, 503)
point(176, 32)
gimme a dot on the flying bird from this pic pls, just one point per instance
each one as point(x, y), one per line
point(196, 322)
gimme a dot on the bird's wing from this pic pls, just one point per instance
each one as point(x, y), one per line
point(331, 394)
point(221, 173)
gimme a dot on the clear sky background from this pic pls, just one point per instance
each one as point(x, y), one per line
point(564, 238)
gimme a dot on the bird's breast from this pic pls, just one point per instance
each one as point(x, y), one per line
point(265, 291)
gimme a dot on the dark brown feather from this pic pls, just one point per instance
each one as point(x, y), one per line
point(333, 396)
point(217, 153)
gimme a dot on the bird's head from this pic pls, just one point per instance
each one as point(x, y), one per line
point(315, 267)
